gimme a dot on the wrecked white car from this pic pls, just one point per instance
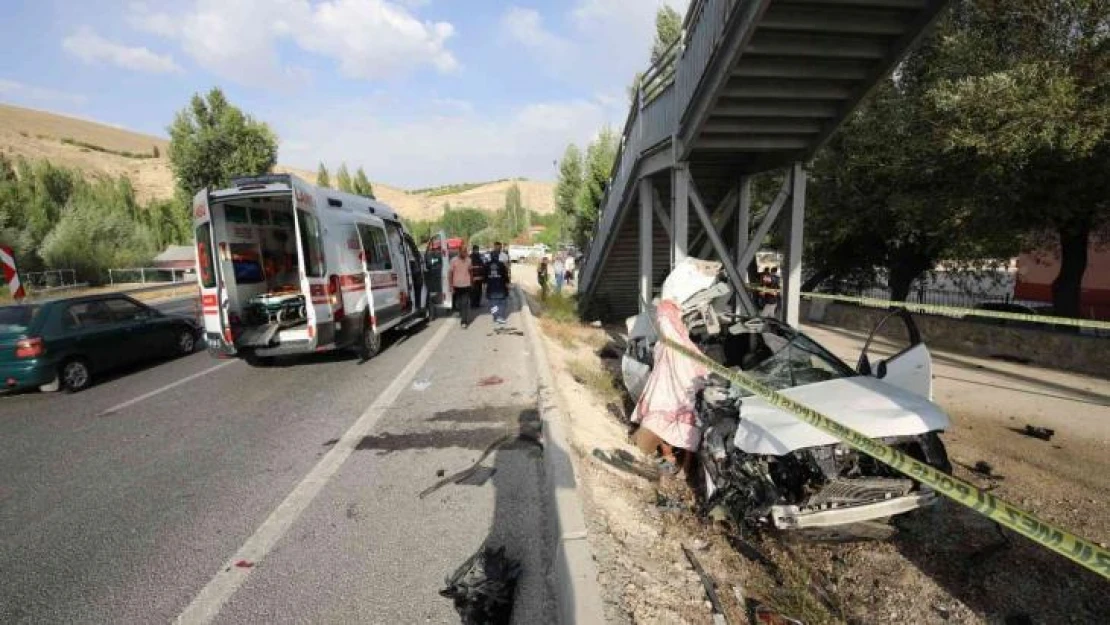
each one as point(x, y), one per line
point(766, 467)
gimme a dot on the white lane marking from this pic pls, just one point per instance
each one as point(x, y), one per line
point(207, 604)
point(185, 380)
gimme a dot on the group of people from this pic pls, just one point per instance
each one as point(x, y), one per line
point(562, 268)
point(470, 275)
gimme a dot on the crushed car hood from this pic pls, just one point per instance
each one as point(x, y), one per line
point(862, 403)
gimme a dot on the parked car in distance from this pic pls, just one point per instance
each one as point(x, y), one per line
point(65, 343)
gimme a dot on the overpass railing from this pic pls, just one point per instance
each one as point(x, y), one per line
point(662, 96)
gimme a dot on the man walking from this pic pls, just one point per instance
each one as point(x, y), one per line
point(477, 277)
point(559, 268)
point(497, 287)
point(541, 277)
point(459, 274)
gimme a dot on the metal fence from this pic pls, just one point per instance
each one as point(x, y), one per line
point(50, 279)
point(143, 275)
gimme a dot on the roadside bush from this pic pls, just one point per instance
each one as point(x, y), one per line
point(92, 239)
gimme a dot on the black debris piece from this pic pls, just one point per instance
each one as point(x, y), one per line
point(624, 461)
point(440, 473)
point(483, 587)
point(983, 468)
point(1045, 434)
point(706, 582)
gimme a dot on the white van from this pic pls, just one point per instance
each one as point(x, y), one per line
point(285, 267)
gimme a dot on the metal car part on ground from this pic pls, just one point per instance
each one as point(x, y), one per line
point(763, 465)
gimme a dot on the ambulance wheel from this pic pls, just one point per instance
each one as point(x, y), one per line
point(370, 343)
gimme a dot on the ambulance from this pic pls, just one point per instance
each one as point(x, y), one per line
point(285, 267)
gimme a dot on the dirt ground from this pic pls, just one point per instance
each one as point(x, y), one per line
point(944, 565)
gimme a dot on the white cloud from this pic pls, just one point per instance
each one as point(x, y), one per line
point(607, 42)
point(239, 39)
point(525, 27)
point(15, 91)
point(92, 48)
point(427, 149)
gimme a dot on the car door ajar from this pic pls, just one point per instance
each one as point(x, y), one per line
point(910, 368)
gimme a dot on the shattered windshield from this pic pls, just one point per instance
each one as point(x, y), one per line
point(796, 360)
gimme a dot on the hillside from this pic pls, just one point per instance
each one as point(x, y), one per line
point(39, 135)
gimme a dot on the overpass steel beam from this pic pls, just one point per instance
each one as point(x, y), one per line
point(722, 251)
point(647, 196)
point(680, 214)
point(792, 276)
point(743, 223)
point(661, 213)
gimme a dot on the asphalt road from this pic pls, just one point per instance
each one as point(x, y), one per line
point(124, 511)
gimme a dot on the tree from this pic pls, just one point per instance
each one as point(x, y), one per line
point(569, 183)
point(668, 29)
point(1032, 113)
point(343, 179)
point(212, 141)
point(362, 184)
point(322, 178)
point(464, 222)
point(600, 156)
point(515, 214)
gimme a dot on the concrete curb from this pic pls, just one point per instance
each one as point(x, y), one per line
point(577, 599)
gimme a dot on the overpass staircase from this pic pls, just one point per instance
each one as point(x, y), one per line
point(752, 86)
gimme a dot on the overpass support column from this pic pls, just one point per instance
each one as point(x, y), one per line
point(743, 223)
point(792, 272)
point(647, 209)
point(680, 213)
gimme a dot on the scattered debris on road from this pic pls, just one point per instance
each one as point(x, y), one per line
point(1045, 434)
point(623, 461)
point(331, 442)
point(421, 385)
point(490, 381)
point(244, 564)
point(983, 468)
point(469, 472)
point(483, 587)
point(709, 585)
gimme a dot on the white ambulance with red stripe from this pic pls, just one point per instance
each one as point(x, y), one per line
point(285, 267)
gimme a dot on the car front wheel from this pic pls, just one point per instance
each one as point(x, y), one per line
point(75, 375)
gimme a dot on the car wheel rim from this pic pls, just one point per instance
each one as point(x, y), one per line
point(371, 341)
point(185, 342)
point(76, 375)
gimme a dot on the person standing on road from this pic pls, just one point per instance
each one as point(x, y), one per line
point(477, 277)
point(459, 275)
point(541, 277)
point(560, 269)
point(497, 288)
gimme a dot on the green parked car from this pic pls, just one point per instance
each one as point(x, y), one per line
point(65, 343)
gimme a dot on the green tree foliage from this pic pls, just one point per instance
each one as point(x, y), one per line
point(212, 141)
point(1030, 112)
point(463, 222)
point(668, 29)
point(569, 184)
point(54, 218)
point(322, 177)
point(362, 184)
point(515, 219)
point(600, 156)
point(343, 179)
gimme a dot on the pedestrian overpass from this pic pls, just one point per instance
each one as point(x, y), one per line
point(752, 86)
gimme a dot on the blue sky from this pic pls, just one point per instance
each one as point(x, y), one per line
point(418, 92)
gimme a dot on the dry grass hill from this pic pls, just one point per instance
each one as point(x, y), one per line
point(57, 138)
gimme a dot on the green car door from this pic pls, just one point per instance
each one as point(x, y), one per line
point(143, 337)
point(90, 331)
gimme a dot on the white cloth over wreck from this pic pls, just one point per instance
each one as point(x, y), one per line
point(666, 407)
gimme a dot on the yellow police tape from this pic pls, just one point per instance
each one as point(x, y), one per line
point(1075, 548)
point(949, 311)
